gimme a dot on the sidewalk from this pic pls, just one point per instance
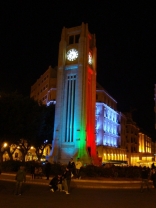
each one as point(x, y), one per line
point(102, 183)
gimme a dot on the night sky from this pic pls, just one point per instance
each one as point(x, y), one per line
point(125, 32)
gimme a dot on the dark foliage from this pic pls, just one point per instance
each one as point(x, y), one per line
point(25, 123)
point(10, 166)
point(88, 171)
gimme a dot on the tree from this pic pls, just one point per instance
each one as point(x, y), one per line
point(9, 148)
point(32, 113)
point(45, 132)
point(20, 118)
point(9, 120)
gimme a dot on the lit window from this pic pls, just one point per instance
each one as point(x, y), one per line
point(90, 58)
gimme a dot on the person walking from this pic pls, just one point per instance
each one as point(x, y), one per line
point(78, 168)
point(47, 169)
point(20, 178)
point(153, 177)
point(71, 167)
point(145, 178)
point(67, 180)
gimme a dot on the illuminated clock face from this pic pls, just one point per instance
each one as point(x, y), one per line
point(90, 58)
point(72, 54)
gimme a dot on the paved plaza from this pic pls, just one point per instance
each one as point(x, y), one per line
point(39, 196)
point(101, 183)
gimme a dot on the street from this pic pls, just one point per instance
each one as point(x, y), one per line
point(39, 196)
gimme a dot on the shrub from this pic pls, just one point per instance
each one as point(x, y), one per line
point(11, 166)
point(87, 171)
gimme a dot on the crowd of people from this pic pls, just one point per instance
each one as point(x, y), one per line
point(37, 171)
point(61, 182)
point(148, 174)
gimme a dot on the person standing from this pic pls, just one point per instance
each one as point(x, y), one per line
point(78, 168)
point(153, 166)
point(47, 169)
point(59, 183)
point(153, 177)
point(71, 167)
point(20, 178)
point(0, 169)
point(32, 170)
point(67, 180)
point(145, 178)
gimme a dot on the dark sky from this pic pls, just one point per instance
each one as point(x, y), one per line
point(125, 32)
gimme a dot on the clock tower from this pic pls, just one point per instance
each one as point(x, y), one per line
point(74, 127)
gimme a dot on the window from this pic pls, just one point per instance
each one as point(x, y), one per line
point(74, 39)
point(71, 39)
point(77, 38)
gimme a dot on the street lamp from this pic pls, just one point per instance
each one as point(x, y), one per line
point(5, 144)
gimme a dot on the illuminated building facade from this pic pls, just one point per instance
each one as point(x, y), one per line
point(31, 154)
point(87, 123)
point(109, 132)
point(153, 150)
point(132, 143)
point(138, 145)
point(144, 143)
point(145, 149)
point(44, 89)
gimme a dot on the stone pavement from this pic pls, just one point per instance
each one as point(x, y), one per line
point(103, 183)
point(40, 196)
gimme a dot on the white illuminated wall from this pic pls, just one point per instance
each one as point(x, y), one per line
point(106, 126)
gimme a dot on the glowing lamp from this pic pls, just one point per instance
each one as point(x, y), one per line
point(5, 145)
